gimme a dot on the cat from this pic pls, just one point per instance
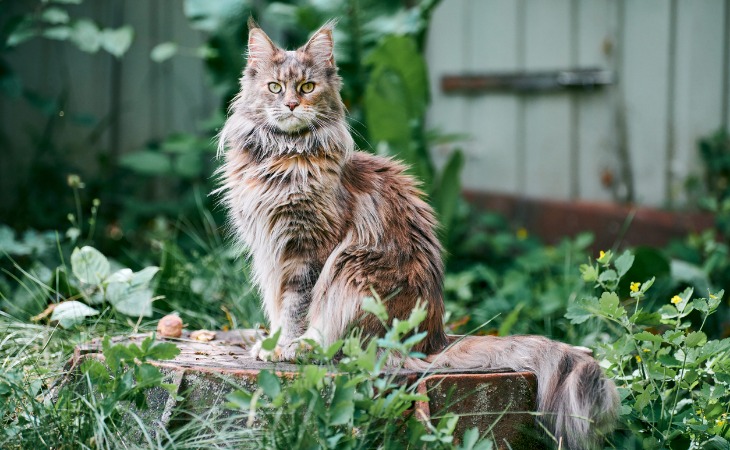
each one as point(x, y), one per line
point(324, 224)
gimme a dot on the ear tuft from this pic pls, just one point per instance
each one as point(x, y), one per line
point(321, 45)
point(260, 46)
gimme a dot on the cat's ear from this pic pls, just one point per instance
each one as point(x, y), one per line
point(260, 47)
point(321, 45)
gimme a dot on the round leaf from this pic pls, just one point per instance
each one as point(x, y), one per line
point(117, 41)
point(89, 265)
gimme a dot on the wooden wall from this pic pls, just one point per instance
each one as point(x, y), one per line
point(112, 105)
point(670, 60)
point(670, 57)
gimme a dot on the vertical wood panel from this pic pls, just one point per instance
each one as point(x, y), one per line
point(594, 127)
point(644, 77)
point(136, 115)
point(699, 78)
point(493, 118)
point(547, 118)
point(445, 53)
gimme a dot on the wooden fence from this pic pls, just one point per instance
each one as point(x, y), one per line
point(668, 59)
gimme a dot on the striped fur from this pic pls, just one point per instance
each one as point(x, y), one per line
point(324, 223)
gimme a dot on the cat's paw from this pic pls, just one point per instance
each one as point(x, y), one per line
point(265, 355)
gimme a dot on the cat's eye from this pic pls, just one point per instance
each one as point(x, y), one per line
point(274, 87)
point(307, 87)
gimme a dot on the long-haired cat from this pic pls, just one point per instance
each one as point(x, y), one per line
point(324, 223)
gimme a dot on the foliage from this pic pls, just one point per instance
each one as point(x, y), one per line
point(715, 153)
point(91, 280)
point(59, 22)
point(672, 378)
point(126, 374)
point(52, 20)
point(351, 401)
point(93, 411)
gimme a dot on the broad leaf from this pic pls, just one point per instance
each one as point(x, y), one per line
point(86, 36)
point(269, 383)
point(117, 41)
point(71, 313)
point(89, 265)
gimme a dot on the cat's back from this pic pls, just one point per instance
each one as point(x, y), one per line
point(384, 197)
point(367, 173)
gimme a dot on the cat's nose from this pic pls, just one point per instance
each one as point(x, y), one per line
point(292, 105)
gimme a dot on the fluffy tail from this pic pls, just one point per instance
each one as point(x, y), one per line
point(578, 404)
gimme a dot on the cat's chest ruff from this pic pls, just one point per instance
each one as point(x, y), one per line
point(289, 191)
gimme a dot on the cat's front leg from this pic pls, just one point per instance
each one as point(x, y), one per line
point(296, 298)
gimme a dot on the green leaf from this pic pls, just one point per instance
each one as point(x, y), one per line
point(471, 436)
point(269, 383)
point(148, 375)
point(607, 276)
point(163, 351)
point(624, 262)
point(589, 273)
point(695, 339)
point(446, 191)
point(643, 399)
point(147, 162)
point(646, 318)
point(608, 304)
point(54, 16)
point(581, 310)
point(96, 371)
point(89, 265)
point(117, 41)
point(395, 100)
point(240, 399)
point(117, 355)
point(510, 320)
point(375, 307)
point(86, 35)
point(71, 313)
point(135, 302)
point(342, 407)
point(270, 342)
point(164, 51)
point(22, 31)
point(646, 336)
point(128, 292)
point(143, 277)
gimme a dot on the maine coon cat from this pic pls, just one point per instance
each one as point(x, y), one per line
point(324, 223)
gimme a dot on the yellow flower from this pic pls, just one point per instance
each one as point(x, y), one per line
point(601, 254)
point(676, 300)
point(646, 350)
point(638, 358)
point(713, 296)
point(521, 233)
point(635, 286)
point(720, 422)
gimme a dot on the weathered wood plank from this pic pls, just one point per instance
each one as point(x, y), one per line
point(644, 75)
point(492, 119)
point(592, 114)
point(445, 50)
point(547, 117)
point(698, 79)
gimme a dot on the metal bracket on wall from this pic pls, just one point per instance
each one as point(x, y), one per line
point(527, 82)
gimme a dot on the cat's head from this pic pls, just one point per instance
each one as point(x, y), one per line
point(291, 91)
